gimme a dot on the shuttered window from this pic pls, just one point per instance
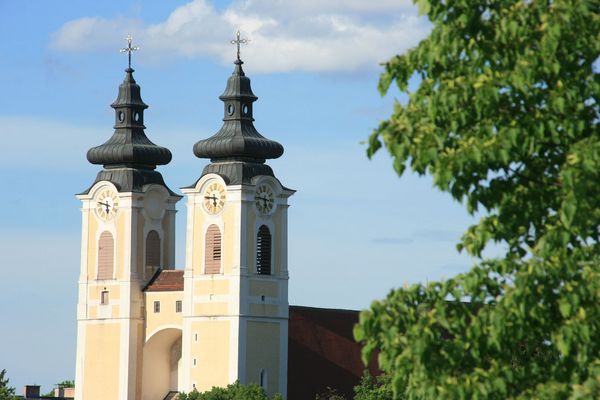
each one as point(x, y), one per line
point(106, 249)
point(263, 251)
point(212, 254)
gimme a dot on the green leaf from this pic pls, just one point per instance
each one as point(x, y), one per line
point(565, 308)
point(424, 7)
point(567, 213)
point(399, 166)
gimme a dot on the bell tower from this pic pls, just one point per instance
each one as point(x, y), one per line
point(235, 316)
point(128, 232)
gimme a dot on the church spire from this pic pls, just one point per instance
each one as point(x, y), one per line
point(238, 145)
point(128, 156)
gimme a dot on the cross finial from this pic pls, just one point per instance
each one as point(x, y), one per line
point(129, 49)
point(237, 41)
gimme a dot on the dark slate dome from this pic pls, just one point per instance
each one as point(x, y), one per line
point(129, 146)
point(238, 139)
point(129, 158)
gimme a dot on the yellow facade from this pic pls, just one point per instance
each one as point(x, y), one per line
point(111, 319)
point(253, 307)
point(232, 325)
point(212, 286)
point(210, 347)
point(264, 310)
point(167, 316)
point(263, 353)
point(264, 288)
point(103, 364)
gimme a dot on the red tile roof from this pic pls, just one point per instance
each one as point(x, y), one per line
point(166, 280)
point(322, 352)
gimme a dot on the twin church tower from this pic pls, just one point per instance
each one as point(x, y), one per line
point(146, 330)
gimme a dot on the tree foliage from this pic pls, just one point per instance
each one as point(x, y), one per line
point(67, 383)
point(329, 394)
point(6, 392)
point(505, 118)
point(374, 388)
point(234, 391)
point(369, 388)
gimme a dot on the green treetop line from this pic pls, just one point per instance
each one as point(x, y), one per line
point(6, 392)
point(505, 119)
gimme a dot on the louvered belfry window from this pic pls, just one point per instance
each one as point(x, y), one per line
point(106, 249)
point(153, 250)
point(263, 251)
point(212, 254)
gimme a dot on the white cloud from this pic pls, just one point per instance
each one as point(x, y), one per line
point(309, 35)
point(89, 33)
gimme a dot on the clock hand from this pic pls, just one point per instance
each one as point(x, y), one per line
point(213, 198)
point(265, 200)
point(106, 205)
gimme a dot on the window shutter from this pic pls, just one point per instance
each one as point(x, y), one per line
point(106, 248)
point(263, 251)
point(212, 253)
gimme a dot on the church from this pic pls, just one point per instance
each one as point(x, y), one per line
point(147, 330)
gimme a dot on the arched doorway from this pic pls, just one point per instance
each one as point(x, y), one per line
point(162, 364)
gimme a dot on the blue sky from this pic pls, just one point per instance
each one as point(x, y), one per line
point(356, 230)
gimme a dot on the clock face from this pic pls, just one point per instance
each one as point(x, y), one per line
point(264, 199)
point(214, 198)
point(106, 204)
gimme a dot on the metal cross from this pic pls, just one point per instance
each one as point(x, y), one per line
point(239, 41)
point(129, 49)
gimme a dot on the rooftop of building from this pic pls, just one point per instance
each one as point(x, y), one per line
point(166, 280)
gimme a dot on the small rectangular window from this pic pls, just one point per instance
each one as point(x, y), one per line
point(104, 297)
point(178, 306)
point(195, 363)
point(157, 306)
point(263, 378)
point(196, 337)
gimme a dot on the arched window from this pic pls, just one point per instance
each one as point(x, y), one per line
point(106, 249)
point(212, 253)
point(263, 251)
point(152, 253)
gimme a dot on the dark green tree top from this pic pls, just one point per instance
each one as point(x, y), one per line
point(505, 118)
point(6, 392)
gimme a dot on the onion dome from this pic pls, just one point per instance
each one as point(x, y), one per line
point(237, 151)
point(129, 157)
point(129, 146)
point(238, 139)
